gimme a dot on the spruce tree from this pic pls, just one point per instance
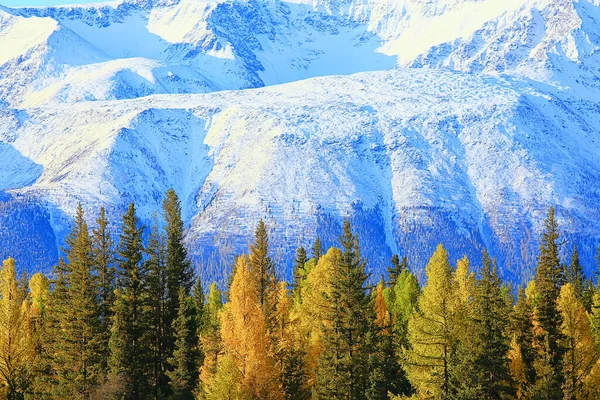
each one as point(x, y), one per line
point(184, 376)
point(548, 336)
point(575, 276)
point(317, 249)
point(179, 268)
point(385, 375)
point(347, 337)
point(262, 272)
point(299, 272)
point(157, 304)
point(490, 367)
point(396, 269)
point(105, 271)
point(129, 347)
point(79, 340)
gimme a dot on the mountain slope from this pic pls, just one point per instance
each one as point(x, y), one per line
point(483, 113)
point(418, 155)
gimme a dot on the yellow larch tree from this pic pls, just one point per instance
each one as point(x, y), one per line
point(16, 349)
point(245, 338)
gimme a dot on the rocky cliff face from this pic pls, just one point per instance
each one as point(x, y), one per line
point(484, 113)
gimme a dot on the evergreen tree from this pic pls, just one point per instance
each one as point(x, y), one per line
point(79, 339)
point(395, 270)
point(317, 249)
point(575, 276)
point(129, 347)
point(157, 304)
point(385, 375)
point(105, 271)
point(547, 317)
point(299, 272)
point(347, 337)
point(16, 347)
point(430, 331)
point(493, 379)
point(179, 268)
point(199, 321)
point(184, 376)
point(262, 272)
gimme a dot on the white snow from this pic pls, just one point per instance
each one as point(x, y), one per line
point(483, 110)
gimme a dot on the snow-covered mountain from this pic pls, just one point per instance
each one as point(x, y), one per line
point(448, 120)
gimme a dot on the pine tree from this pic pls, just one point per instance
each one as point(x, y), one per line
point(179, 268)
point(184, 376)
point(262, 272)
point(155, 266)
point(105, 271)
point(344, 362)
point(299, 271)
point(395, 270)
point(385, 375)
point(575, 276)
point(491, 368)
point(430, 331)
point(16, 348)
point(548, 320)
point(129, 347)
point(317, 249)
point(79, 339)
point(199, 320)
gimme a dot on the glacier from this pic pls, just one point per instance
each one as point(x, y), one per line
point(454, 121)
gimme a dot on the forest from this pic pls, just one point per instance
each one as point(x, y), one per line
point(126, 317)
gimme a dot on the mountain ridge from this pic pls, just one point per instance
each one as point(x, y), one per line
point(231, 111)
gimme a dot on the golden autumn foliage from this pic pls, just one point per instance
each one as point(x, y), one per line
point(245, 339)
point(580, 352)
point(16, 349)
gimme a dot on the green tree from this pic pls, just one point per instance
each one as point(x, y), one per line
point(262, 272)
point(491, 365)
point(396, 268)
point(79, 340)
point(347, 336)
point(317, 249)
point(129, 347)
point(155, 266)
point(184, 376)
point(105, 271)
point(299, 271)
point(548, 320)
point(575, 276)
